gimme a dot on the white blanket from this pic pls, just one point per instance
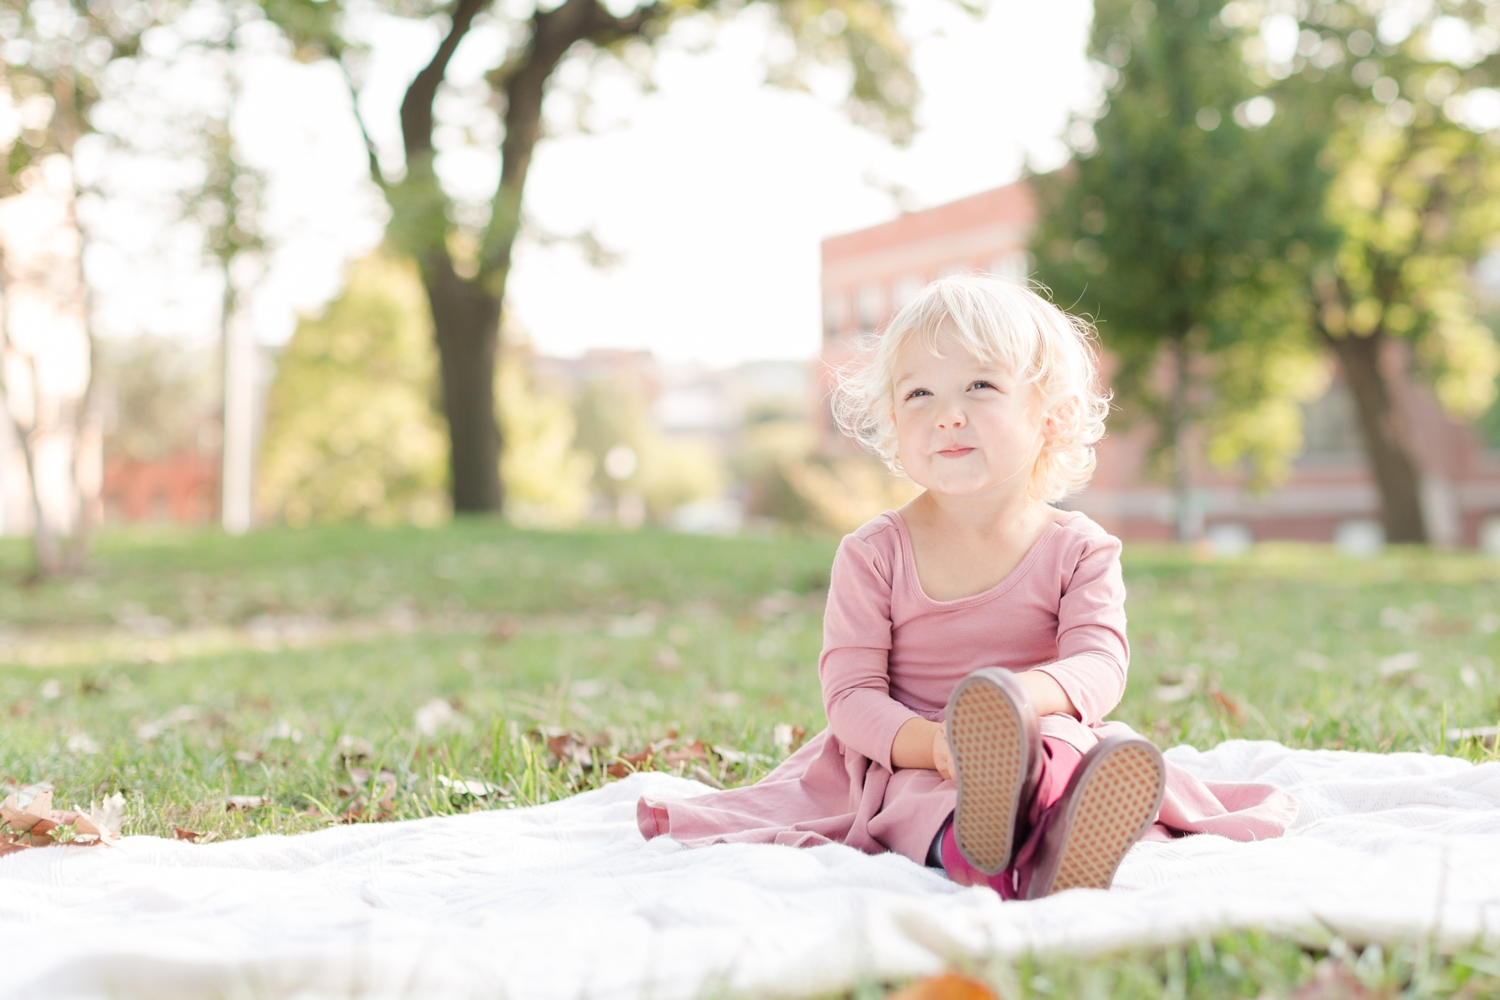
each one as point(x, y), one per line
point(567, 900)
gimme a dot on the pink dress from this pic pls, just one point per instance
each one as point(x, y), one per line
point(891, 653)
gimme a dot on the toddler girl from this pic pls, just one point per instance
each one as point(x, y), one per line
point(975, 639)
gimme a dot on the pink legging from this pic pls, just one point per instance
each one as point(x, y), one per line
point(1059, 761)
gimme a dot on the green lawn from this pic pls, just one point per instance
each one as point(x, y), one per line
point(292, 666)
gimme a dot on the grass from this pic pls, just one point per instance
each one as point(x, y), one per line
point(291, 666)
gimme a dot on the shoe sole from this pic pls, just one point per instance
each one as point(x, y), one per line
point(990, 761)
point(1118, 800)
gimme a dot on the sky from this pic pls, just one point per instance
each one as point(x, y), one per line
point(713, 190)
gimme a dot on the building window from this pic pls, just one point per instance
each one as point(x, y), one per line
point(871, 305)
point(833, 315)
point(1330, 425)
point(1013, 266)
point(907, 287)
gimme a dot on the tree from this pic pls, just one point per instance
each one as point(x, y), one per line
point(464, 250)
point(1174, 225)
point(62, 53)
point(351, 432)
point(1414, 202)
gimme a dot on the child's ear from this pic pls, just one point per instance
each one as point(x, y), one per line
point(1056, 418)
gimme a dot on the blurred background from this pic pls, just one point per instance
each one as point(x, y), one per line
point(307, 261)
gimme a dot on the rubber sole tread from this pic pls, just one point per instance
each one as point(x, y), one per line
point(1115, 805)
point(990, 760)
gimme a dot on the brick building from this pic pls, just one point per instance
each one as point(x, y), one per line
point(1329, 495)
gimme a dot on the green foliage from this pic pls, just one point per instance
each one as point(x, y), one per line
point(62, 55)
point(546, 477)
point(1415, 198)
point(670, 471)
point(1174, 227)
point(158, 395)
point(351, 431)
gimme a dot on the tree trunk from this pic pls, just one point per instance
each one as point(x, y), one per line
point(1387, 444)
point(1189, 523)
point(467, 322)
point(466, 311)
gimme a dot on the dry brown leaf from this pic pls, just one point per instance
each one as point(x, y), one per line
point(1333, 981)
point(191, 836)
point(572, 748)
point(245, 802)
point(948, 986)
point(1225, 703)
point(694, 751)
point(703, 774)
point(10, 846)
point(355, 749)
point(29, 814)
point(787, 737)
point(383, 809)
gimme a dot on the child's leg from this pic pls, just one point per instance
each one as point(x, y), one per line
point(1058, 762)
point(1079, 841)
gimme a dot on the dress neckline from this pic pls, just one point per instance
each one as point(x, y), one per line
point(909, 559)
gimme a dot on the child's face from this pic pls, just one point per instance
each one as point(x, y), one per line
point(963, 427)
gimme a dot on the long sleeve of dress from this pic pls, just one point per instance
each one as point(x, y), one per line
point(855, 665)
point(1093, 654)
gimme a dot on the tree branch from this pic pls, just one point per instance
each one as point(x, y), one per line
point(416, 106)
point(524, 82)
point(364, 130)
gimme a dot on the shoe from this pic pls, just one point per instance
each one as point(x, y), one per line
point(1111, 799)
point(995, 739)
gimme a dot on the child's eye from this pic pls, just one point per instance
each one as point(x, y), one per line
point(981, 384)
point(917, 392)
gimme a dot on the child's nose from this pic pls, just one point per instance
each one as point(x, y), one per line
point(952, 419)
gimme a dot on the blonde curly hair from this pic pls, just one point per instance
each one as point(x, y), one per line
point(1002, 324)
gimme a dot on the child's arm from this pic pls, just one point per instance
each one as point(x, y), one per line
point(1092, 652)
point(855, 665)
point(920, 743)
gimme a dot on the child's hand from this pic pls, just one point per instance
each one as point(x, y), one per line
point(942, 760)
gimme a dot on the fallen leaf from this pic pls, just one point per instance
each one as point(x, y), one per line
point(245, 802)
point(29, 811)
point(434, 717)
point(1483, 734)
point(629, 763)
point(1400, 663)
point(191, 836)
point(1333, 981)
point(82, 743)
point(29, 814)
point(694, 751)
point(10, 846)
point(572, 748)
point(703, 774)
point(787, 737)
point(109, 814)
point(472, 786)
point(354, 749)
point(948, 986)
point(1225, 703)
point(382, 809)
